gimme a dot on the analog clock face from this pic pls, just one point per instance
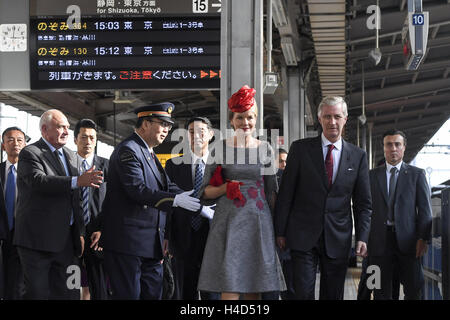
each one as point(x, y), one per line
point(13, 37)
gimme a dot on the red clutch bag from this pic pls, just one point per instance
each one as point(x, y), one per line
point(233, 191)
point(217, 179)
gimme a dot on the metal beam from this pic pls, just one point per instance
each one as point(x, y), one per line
point(404, 101)
point(398, 48)
point(391, 92)
point(400, 71)
point(404, 125)
point(397, 115)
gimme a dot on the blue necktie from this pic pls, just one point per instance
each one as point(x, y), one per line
point(196, 221)
point(85, 197)
point(10, 195)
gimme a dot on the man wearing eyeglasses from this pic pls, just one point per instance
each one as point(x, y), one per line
point(138, 198)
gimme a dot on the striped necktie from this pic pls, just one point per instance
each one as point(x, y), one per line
point(196, 221)
point(85, 197)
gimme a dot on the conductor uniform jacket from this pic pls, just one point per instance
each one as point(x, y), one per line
point(138, 198)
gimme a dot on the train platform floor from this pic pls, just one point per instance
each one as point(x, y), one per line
point(351, 284)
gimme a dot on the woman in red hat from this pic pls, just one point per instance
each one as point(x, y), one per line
point(240, 255)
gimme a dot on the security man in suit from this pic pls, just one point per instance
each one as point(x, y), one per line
point(138, 198)
point(285, 255)
point(3, 237)
point(95, 287)
point(401, 219)
point(323, 177)
point(13, 140)
point(188, 233)
point(281, 163)
point(49, 229)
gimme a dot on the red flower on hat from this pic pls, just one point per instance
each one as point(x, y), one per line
point(242, 100)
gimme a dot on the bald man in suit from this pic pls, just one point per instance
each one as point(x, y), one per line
point(49, 227)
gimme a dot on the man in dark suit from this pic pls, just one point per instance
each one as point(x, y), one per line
point(49, 225)
point(13, 140)
point(281, 163)
point(95, 287)
point(4, 232)
point(139, 196)
point(313, 218)
point(401, 219)
point(3, 236)
point(188, 233)
point(285, 255)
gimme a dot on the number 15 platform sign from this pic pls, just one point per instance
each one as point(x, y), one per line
point(125, 44)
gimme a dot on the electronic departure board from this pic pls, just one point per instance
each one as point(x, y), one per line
point(125, 44)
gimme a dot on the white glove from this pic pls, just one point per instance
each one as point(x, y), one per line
point(183, 200)
point(208, 212)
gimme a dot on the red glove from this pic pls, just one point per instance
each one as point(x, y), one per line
point(233, 191)
point(217, 179)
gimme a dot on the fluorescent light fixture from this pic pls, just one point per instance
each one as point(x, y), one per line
point(288, 51)
point(279, 13)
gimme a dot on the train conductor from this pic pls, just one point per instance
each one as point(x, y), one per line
point(138, 199)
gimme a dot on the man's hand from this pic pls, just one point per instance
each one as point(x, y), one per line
point(95, 237)
point(91, 178)
point(184, 200)
point(361, 249)
point(421, 248)
point(165, 247)
point(82, 246)
point(208, 212)
point(281, 242)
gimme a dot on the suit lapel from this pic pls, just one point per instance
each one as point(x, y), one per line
point(382, 181)
point(188, 169)
point(151, 163)
point(146, 154)
point(344, 162)
point(51, 158)
point(162, 173)
point(98, 166)
point(2, 173)
point(317, 158)
point(71, 160)
point(401, 180)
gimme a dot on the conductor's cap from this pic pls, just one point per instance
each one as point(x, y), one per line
point(161, 110)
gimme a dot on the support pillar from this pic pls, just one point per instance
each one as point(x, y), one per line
point(296, 105)
point(241, 54)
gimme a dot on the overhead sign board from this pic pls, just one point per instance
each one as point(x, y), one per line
point(125, 44)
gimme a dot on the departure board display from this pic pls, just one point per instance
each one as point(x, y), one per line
point(124, 44)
